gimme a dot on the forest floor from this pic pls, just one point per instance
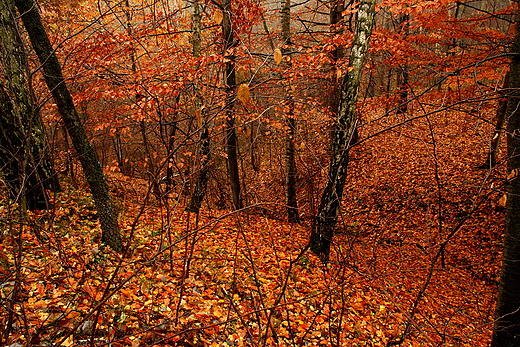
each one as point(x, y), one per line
point(416, 257)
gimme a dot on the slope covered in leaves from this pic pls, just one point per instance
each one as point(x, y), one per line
point(415, 257)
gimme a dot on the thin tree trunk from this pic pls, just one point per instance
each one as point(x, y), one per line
point(199, 192)
point(118, 150)
point(506, 332)
point(336, 28)
point(323, 226)
point(87, 156)
point(256, 158)
point(403, 90)
point(291, 174)
point(491, 159)
point(291, 170)
point(170, 142)
point(403, 70)
point(25, 160)
point(290, 150)
point(231, 135)
point(202, 181)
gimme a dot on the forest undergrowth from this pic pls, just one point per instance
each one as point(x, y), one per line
point(415, 259)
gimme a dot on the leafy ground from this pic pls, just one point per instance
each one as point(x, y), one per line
point(416, 257)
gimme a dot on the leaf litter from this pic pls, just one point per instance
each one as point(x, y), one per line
point(239, 279)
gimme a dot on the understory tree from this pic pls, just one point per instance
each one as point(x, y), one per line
point(343, 136)
point(230, 80)
point(55, 81)
point(291, 174)
point(201, 183)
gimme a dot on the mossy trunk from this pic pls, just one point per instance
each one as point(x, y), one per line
point(87, 156)
point(24, 156)
point(343, 136)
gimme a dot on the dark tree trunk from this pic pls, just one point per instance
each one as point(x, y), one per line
point(336, 28)
point(491, 159)
point(290, 149)
point(87, 156)
point(199, 192)
point(402, 76)
point(124, 165)
point(403, 90)
point(202, 181)
point(506, 331)
point(231, 135)
point(344, 132)
point(292, 173)
point(170, 153)
point(25, 160)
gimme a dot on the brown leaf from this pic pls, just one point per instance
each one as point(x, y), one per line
point(277, 56)
point(243, 93)
point(218, 17)
point(503, 200)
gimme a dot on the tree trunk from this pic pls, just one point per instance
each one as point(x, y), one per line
point(12, 145)
point(290, 150)
point(25, 160)
point(87, 156)
point(291, 170)
point(402, 77)
point(506, 332)
point(229, 76)
point(323, 226)
point(336, 28)
point(202, 181)
point(491, 159)
point(170, 131)
point(123, 165)
point(199, 192)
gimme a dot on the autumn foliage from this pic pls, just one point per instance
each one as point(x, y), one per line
point(415, 258)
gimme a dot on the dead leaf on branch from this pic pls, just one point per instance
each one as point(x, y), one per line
point(243, 93)
point(277, 56)
point(503, 200)
point(218, 17)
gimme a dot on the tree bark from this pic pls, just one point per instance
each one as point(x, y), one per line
point(199, 192)
point(506, 332)
point(325, 221)
point(491, 159)
point(290, 149)
point(230, 80)
point(25, 160)
point(402, 76)
point(202, 181)
point(336, 28)
point(87, 156)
